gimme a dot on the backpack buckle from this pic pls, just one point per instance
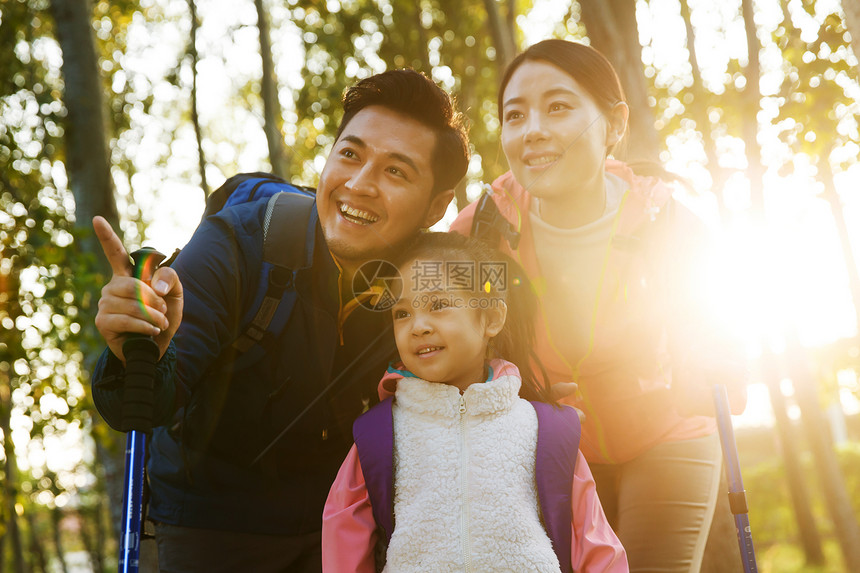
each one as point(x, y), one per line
point(280, 278)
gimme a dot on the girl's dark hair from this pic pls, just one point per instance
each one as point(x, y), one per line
point(516, 340)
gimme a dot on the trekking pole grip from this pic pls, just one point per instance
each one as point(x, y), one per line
point(141, 356)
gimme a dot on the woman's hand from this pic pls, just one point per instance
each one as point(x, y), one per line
point(561, 390)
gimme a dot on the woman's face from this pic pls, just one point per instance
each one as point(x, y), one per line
point(553, 133)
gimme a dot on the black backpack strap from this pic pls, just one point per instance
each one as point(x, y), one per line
point(289, 229)
point(489, 225)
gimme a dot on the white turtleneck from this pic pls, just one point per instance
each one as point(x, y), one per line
point(571, 265)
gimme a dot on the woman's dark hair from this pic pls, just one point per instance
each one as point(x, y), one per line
point(583, 63)
point(416, 96)
point(516, 340)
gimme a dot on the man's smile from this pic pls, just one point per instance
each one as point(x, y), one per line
point(357, 216)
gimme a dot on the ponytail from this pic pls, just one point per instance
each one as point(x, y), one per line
point(516, 341)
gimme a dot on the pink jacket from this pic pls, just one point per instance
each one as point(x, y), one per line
point(349, 529)
point(626, 387)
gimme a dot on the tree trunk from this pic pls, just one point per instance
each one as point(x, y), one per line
point(612, 29)
point(503, 35)
point(10, 480)
point(852, 22)
point(86, 519)
point(56, 518)
point(195, 117)
point(421, 48)
point(406, 25)
point(87, 159)
point(787, 442)
point(751, 105)
point(848, 257)
point(10, 305)
point(38, 561)
point(832, 482)
point(100, 545)
point(272, 119)
point(699, 113)
point(110, 456)
point(87, 539)
point(87, 164)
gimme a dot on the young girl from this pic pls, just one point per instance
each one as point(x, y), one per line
point(474, 477)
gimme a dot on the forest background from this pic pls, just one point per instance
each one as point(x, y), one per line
point(136, 110)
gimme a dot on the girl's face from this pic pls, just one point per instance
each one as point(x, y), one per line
point(553, 133)
point(442, 333)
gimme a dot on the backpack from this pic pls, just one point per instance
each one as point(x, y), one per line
point(373, 432)
point(289, 230)
point(288, 242)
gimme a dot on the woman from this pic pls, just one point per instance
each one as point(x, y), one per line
point(613, 259)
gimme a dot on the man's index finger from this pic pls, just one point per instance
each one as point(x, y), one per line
point(113, 248)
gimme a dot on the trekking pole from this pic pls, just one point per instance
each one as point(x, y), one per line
point(737, 496)
point(141, 355)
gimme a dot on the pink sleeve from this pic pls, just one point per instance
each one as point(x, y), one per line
point(594, 546)
point(349, 529)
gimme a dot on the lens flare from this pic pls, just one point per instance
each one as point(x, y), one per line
point(146, 261)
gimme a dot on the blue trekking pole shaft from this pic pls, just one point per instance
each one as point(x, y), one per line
point(141, 355)
point(737, 496)
point(132, 502)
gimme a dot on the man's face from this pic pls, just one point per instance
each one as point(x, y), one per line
point(376, 188)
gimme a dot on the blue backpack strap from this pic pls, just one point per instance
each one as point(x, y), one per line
point(289, 230)
point(373, 432)
point(559, 431)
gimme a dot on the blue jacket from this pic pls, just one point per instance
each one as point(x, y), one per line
point(213, 421)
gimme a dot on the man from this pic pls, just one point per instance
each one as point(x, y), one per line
point(399, 152)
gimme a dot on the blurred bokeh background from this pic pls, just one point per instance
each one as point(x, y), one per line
point(137, 110)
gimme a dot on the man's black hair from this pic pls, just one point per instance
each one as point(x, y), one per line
point(416, 96)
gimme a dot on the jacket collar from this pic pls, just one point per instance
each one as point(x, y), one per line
point(648, 195)
point(494, 396)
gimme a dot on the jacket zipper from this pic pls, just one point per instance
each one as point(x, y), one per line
point(464, 492)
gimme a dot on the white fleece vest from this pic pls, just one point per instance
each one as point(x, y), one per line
point(465, 497)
